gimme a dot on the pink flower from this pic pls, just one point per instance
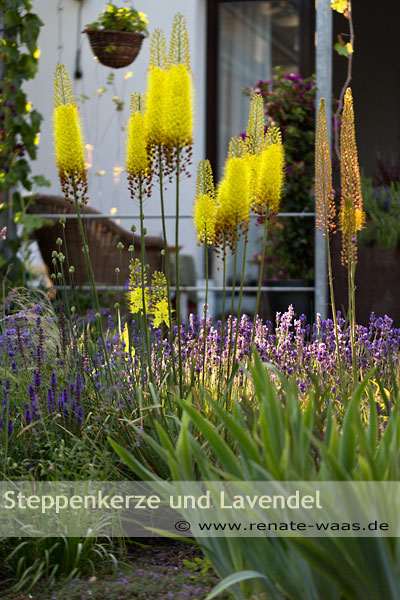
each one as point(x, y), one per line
point(3, 233)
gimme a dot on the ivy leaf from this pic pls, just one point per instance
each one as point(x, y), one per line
point(11, 19)
point(341, 49)
point(41, 181)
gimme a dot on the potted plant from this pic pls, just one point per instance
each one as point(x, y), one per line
point(117, 35)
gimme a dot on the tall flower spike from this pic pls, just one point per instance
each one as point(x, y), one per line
point(237, 148)
point(156, 89)
point(63, 93)
point(205, 204)
point(254, 141)
point(324, 196)
point(271, 175)
point(68, 138)
point(273, 136)
point(179, 52)
point(137, 156)
point(178, 107)
point(351, 219)
point(158, 50)
point(222, 224)
point(237, 192)
point(233, 194)
point(256, 125)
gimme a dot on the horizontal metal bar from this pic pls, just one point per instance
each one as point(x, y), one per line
point(193, 288)
point(123, 216)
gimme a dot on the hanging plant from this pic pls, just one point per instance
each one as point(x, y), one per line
point(117, 35)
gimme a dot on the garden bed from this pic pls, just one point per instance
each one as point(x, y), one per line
point(155, 569)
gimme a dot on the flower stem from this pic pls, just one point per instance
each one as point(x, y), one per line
point(240, 298)
point(177, 293)
point(166, 257)
point(205, 310)
point(142, 259)
point(334, 315)
point(222, 342)
point(352, 308)
point(260, 278)
point(92, 281)
point(232, 300)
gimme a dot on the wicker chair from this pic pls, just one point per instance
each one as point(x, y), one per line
point(103, 236)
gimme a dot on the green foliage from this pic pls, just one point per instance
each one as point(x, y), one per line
point(19, 55)
point(382, 207)
point(285, 441)
point(19, 127)
point(115, 18)
point(342, 49)
point(32, 560)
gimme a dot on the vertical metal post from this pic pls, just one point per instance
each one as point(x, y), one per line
point(323, 61)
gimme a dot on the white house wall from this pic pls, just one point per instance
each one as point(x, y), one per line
point(102, 123)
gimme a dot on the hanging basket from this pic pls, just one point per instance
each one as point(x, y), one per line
point(115, 49)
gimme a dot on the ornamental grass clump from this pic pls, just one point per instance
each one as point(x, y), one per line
point(276, 439)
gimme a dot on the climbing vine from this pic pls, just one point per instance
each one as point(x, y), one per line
point(19, 122)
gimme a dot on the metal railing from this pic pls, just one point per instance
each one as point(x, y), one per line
point(182, 288)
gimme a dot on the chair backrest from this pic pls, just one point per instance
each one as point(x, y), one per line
point(103, 235)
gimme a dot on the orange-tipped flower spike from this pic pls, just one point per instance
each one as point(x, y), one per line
point(325, 206)
point(351, 218)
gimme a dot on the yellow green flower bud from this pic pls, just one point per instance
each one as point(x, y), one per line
point(270, 180)
point(68, 137)
point(137, 156)
point(204, 218)
point(155, 106)
point(69, 145)
point(178, 117)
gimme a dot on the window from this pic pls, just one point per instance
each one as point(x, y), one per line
point(246, 40)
